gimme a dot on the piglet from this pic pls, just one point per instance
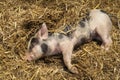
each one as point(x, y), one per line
point(42, 45)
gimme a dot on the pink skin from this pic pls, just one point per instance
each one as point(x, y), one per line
point(55, 45)
point(101, 24)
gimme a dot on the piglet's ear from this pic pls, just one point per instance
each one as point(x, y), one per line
point(43, 32)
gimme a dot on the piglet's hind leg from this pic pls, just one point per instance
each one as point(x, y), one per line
point(106, 39)
point(106, 43)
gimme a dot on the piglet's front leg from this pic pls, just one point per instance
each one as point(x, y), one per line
point(67, 61)
point(67, 53)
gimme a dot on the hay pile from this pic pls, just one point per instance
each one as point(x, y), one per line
point(20, 19)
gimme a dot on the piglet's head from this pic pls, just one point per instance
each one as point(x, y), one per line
point(37, 46)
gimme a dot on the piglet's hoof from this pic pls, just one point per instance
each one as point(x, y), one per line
point(74, 70)
point(105, 47)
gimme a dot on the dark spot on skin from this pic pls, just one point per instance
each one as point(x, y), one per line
point(82, 41)
point(82, 24)
point(103, 11)
point(67, 28)
point(88, 14)
point(60, 36)
point(33, 42)
point(50, 34)
point(95, 37)
point(83, 19)
point(76, 46)
point(44, 48)
point(87, 18)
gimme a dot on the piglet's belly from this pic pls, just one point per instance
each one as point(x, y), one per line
point(57, 51)
point(54, 51)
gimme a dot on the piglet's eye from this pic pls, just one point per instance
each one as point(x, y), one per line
point(44, 39)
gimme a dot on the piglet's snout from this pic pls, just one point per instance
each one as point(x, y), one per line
point(28, 57)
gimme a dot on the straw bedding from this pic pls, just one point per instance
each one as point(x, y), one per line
point(19, 21)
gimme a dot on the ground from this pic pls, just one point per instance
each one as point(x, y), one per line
point(19, 21)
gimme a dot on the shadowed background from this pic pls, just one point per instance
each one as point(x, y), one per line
point(19, 21)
